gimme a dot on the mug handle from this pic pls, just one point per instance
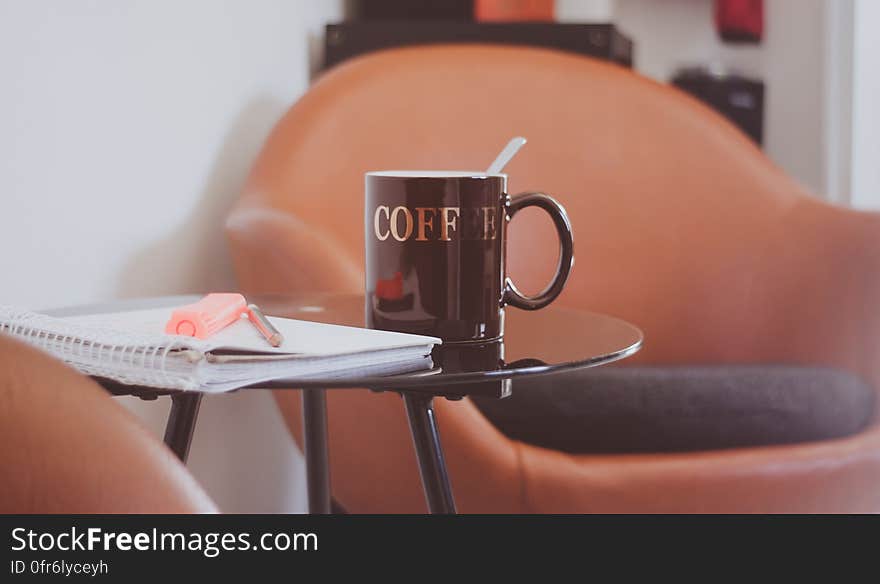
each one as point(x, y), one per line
point(512, 295)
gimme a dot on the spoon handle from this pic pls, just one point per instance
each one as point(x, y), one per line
point(504, 157)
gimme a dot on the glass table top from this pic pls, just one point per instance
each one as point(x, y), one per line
point(545, 341)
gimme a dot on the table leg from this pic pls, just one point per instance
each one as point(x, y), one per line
point(315, 445)
point(426, 439)
point(182, 422)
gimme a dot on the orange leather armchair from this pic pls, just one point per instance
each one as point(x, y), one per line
point(682, 226)
point(66, 447)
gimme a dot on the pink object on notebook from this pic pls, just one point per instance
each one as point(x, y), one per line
point(206, 317)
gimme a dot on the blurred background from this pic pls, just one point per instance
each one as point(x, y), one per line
point(127, 129)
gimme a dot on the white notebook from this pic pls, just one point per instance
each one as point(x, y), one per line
point(130, 347)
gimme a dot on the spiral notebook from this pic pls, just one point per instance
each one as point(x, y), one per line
point(130, 347)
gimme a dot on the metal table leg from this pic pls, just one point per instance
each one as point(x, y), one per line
point(182, 422)
point(426, 439)
point(315, 445)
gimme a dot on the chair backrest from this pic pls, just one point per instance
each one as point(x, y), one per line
point(681, 224)
point(67, 447)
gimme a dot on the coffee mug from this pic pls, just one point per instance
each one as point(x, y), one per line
point(436, 253)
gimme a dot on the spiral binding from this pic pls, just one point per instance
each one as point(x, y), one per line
point(103, 352)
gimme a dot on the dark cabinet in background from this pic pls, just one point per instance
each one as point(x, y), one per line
point(738, 98)
point(410, 9)
point(349, 39)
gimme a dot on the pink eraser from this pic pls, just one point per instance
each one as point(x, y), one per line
point(209, 315)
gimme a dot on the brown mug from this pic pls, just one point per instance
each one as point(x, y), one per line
point(436, 253)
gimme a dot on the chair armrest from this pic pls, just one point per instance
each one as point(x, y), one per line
point(274, 252)
point(66, 446)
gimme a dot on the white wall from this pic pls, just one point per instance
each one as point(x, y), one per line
point(126, 129)
point(838, 99)
point(791, 60)
point(584, 10)
point(865, 176)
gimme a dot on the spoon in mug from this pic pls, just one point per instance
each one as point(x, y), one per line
point(506, 155)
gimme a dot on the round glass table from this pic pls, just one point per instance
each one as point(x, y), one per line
point(541, 342)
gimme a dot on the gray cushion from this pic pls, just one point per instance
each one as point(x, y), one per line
point(669, 409)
